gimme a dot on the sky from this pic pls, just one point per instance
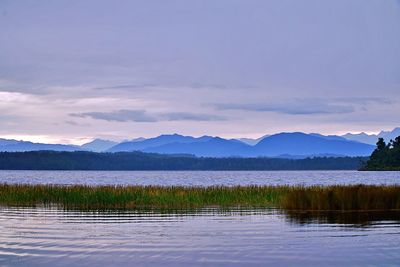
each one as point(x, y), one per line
point(71, 71)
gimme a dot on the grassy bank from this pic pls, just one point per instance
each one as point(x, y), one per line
point(359, 197)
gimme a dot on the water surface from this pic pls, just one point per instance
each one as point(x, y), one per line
point(200, 178)
point(209, 237)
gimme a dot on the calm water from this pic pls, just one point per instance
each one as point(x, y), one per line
point(209, 237)
point(200, 178)
point(51, 237)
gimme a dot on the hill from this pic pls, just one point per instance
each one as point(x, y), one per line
point(20, 146)
point(309, 144)
point(98, 145)
point(211, 147)
point(155, 142)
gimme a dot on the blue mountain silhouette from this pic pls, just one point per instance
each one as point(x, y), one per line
point(285, 145)
point(155, 142)
point(278, 145)
point(21, 146)
point(309, 144)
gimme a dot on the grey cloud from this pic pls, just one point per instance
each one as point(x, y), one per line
point(363, 100)
point(184, 116)
point(74, 123)
point(125, 86)
point(184, 54)
point(12, 86)
point(309, 106)
point(203, 85)
point(125, 115)
point(122, 115)
point(163, 85)
point(290, 108)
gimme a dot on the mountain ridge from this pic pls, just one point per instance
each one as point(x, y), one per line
point(373, 138)
point(284, 145)
point(295, 144)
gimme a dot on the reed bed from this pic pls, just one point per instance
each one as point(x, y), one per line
point(131, 197)
point(344, 198)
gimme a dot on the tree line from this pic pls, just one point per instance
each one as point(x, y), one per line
point(385, 156)
point(52, 160)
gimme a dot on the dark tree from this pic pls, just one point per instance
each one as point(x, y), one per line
point(380, 145)
point(385, 157)
point(51, 160)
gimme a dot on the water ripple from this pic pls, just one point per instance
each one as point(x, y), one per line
point(211, 237)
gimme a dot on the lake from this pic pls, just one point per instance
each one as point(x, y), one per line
point(199, 178)
point(207, 237)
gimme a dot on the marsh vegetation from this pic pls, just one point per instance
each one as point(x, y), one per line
point(338, 197)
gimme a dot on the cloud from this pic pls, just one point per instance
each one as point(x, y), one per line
point(363, 100)
point(184, 116)
point(309, 106)
point(74, 123)
point(126, 115)
point(125, 86)
point(291, 108)
point(122, 115)
point(164, 85)
point(177, 60)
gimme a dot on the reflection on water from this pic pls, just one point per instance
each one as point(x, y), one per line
point(352, 219)
point(207, 237)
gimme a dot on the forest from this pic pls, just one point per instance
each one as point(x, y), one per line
point(52, 160)
point(386, 157)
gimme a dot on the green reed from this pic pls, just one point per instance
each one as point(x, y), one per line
point(127, 197)
point(360, 197)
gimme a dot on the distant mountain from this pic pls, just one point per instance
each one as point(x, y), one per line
point(21, 146)
point(329, 137)
point(362, 137)
point(5, 142)
point(98, 145)
point(251, 141)
point(134, 140)
point(155, 142)
point(373, 138)
point(389, 134)
point(285, 145)
point(207, 147)
point(307, 144)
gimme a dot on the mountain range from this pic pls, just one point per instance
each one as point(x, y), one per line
point(98, 145)
point(283, 145)
point(20, 146)
point(372, 138)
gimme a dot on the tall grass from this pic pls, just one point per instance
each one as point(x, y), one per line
point(360, 197)
point(129, 197)
point(344, 198)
